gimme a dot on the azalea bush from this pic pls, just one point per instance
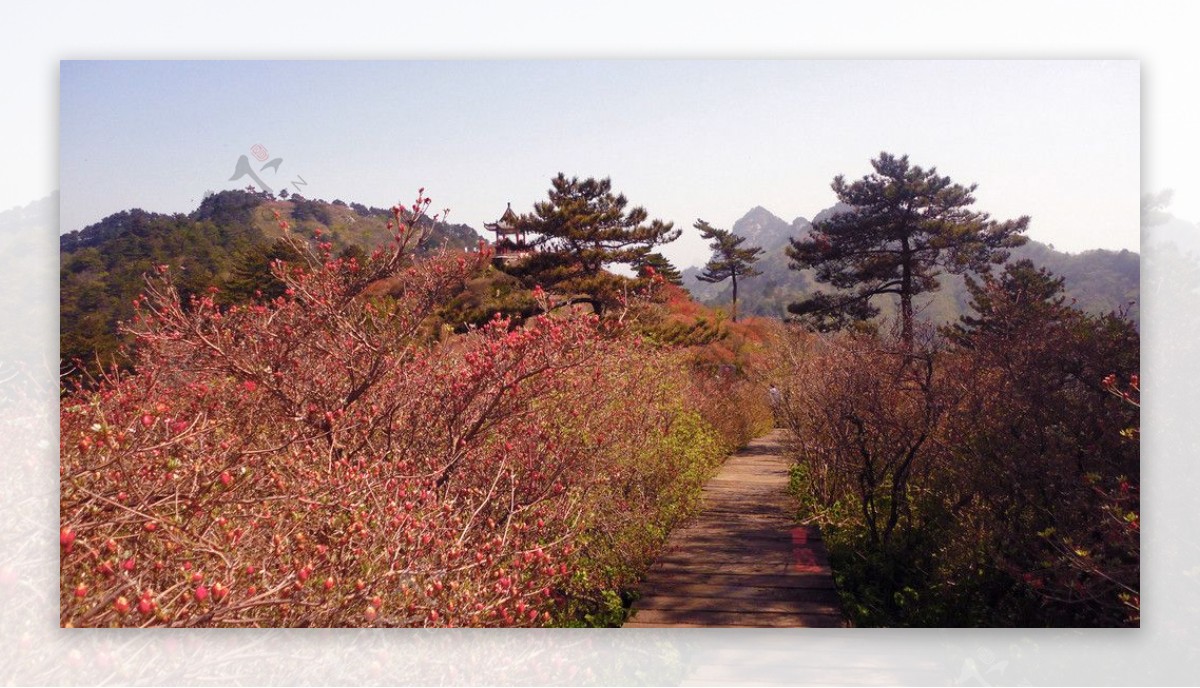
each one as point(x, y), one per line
point(990, 477)
point(320, 458)
point(660, 460)
point(1044, 459)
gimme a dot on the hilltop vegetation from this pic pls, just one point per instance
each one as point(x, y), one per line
point(228, 242)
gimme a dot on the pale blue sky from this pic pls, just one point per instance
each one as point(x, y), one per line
point(1058, 140)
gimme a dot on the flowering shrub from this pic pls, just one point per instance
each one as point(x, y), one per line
point(988, 479)
point(317, 459)
point(729, 376)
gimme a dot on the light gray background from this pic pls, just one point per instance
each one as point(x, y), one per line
point(33, 650)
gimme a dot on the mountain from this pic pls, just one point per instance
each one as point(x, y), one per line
point(1099, 281)
point(770, 293)
point(229, 242)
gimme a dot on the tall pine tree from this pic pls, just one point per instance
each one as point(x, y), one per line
point(729, 260)
point(904, 227)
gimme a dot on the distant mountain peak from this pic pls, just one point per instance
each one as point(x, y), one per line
point(760, 216)
point(767, 230)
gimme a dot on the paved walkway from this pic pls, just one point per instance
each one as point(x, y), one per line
point(742, 561)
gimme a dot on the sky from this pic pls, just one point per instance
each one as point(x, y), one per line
point(1057, 140)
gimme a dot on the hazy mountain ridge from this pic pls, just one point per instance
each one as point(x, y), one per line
point(1098, 281)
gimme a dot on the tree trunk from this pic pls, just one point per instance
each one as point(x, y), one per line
point(906, 297)
point(734, 297)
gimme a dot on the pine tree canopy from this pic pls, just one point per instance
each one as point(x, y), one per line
point(1021, 293)
point(729, 258)
point(661, 265)
point(583, 227)
point(585, 220)
point(905, 226)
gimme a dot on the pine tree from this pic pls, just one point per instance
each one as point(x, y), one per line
point(250, 275)
point(579, 230)
point(905, 225)
point(1004, 305)
point(729, 260)
point(661, 266)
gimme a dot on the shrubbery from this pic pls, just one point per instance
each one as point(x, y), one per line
point(319, 459)
point(990, 479)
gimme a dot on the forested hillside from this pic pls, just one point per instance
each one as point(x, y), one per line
point(228, 242)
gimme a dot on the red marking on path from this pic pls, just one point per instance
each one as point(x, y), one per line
point(802, 555)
